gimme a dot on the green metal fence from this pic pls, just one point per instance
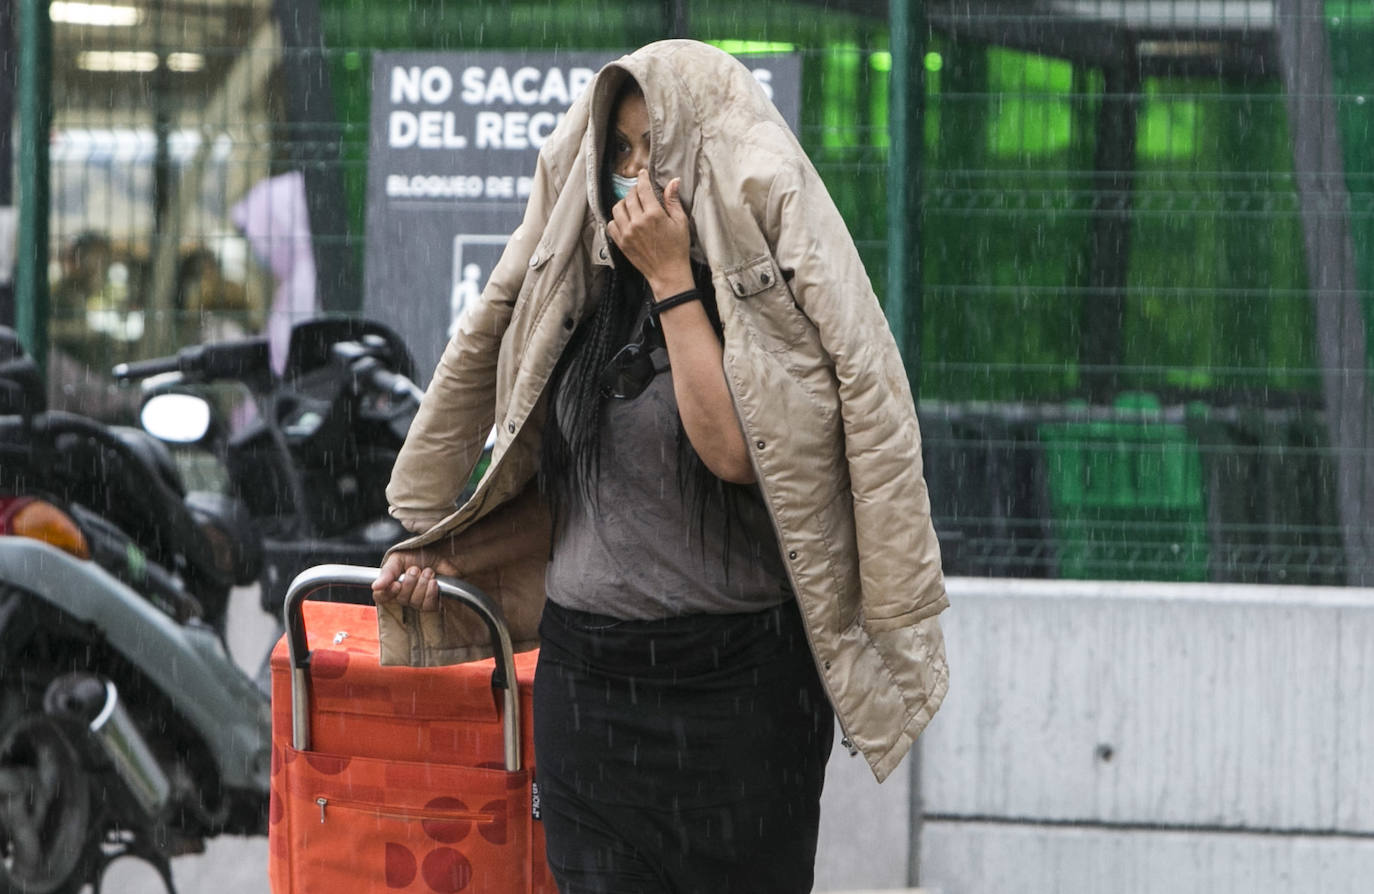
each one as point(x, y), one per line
point(1141, 268)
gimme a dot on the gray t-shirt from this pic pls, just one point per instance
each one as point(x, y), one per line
point(640, 552)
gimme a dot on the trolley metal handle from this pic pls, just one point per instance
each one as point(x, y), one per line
point(314, 579)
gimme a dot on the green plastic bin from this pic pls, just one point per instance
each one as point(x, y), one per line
point(1126, 496)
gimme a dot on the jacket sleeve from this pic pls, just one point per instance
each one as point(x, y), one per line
point(451, 427)
point(895, 538)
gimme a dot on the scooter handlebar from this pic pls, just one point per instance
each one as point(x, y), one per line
point(398, 384)
point(241, 360)
point(136, 370)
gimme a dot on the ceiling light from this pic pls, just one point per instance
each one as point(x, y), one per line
point(137, 61)
point(103, 15)
point(116, 60)
point(185, 61)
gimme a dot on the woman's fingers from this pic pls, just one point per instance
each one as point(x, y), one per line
point(384, 588)
point(405, 593)
point(397, 579)
point(407, 577)
point(632, 218)
point(643, 193)
point(634, 200)
point(426, 597)
point(654, 237)
point(672, 200)
point(620, 215)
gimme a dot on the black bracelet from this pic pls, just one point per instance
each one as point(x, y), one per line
point(658, 307)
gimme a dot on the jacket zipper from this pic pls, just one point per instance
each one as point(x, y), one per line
point(418, 813)
point(845, 740)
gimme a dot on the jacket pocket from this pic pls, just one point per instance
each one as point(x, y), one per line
point(352, 823)
point(766, 303)
point(908, 618)
point(534, 268)
point(753, 277)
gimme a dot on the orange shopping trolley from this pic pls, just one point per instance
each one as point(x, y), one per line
point(398, 779)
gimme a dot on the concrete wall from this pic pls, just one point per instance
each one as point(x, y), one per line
point(1146, 737)
point(1025, 859)
point(865, 838)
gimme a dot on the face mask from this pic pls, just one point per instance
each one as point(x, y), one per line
point(621, 186)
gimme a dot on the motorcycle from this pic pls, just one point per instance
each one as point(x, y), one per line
point(125, 726)
point(312, 468)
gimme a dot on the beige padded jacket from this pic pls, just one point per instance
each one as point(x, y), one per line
point(815, 374)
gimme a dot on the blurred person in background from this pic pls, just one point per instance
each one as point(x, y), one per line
point(91, 324)
point(83, 290)
point(209, 307)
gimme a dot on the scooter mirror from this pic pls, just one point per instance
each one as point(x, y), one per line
point(178, 418)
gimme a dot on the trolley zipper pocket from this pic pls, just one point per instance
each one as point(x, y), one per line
point(411, 814)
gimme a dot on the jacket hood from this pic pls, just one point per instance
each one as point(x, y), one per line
point(700, 100)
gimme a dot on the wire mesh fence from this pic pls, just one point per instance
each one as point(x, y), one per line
point(1144, 264)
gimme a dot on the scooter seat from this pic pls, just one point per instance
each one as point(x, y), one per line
point(153, 454)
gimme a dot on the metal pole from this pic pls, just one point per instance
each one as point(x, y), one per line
point(1100, 351)
point(917, 814)
point(906, 128)
point(8, 65)
point(317, 151)
point(675, 17)
point(907, 138)
point(1342, 344)
point(161, 83)
point(35, 122)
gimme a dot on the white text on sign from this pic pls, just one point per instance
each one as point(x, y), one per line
point(457, 186)
point(516, 129)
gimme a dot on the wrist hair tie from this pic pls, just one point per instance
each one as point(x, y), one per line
point(659, 307)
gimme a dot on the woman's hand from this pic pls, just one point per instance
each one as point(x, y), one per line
point(654, 237)
point(407, 578)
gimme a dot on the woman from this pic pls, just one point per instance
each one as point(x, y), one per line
point(703, 390)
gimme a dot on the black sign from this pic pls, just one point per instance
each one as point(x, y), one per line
point(455, 137)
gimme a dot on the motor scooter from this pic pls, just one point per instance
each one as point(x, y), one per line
point(312, 465)
point(125, 727)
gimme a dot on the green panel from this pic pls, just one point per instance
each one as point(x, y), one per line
point(1126, 498)
point(1033, 113)
point(1006, 228)
point(1215, 289)
point(844, 112)
point(840, 65)
point(1217, 274)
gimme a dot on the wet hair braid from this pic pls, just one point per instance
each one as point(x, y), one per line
point(570, 452)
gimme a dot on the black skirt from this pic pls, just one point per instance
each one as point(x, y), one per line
point(681, 755)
